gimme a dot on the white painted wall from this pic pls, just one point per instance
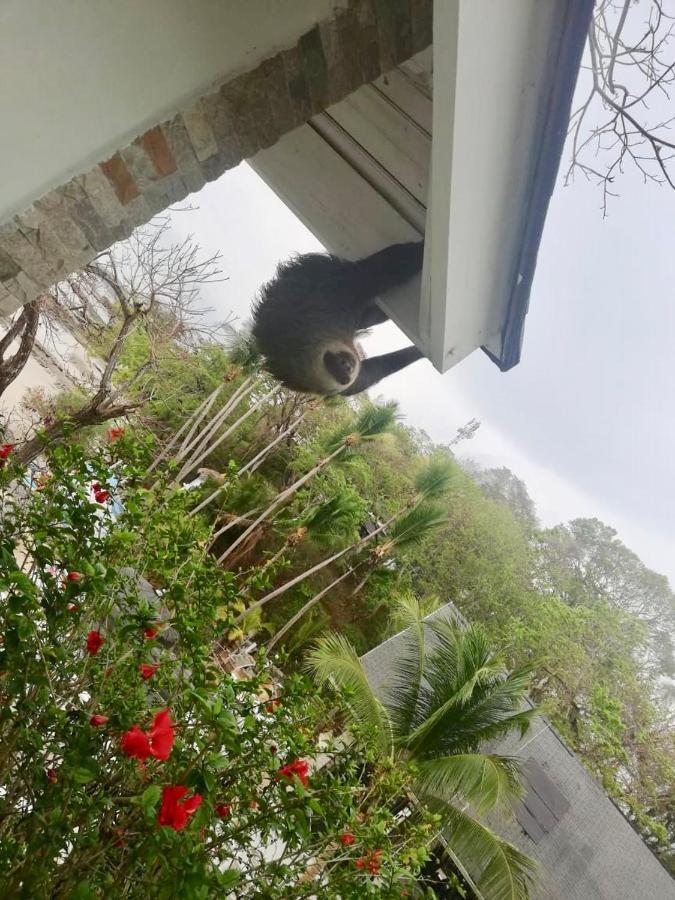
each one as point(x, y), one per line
point(81, 78)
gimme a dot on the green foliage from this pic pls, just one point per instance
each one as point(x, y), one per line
point(443, 702)
point(81, 815)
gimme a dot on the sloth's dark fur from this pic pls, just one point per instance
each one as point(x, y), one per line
point(316, 305)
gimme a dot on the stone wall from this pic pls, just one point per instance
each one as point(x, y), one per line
point(62, 231)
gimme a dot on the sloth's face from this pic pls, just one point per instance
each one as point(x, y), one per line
point(343, 365)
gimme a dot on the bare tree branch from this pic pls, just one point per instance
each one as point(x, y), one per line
point(147, 284)
point(629, 82)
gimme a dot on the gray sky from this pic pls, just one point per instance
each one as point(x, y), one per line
point(586, 418)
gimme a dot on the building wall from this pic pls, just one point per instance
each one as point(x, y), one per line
point(145, 101)
point(84, 77)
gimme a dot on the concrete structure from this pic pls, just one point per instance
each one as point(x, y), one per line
point(463, 148)
point(112, 112)
point(585, 848)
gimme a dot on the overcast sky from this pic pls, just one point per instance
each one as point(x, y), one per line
point(586, 418)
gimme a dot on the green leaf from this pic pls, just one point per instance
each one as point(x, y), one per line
point(82, 775)
point(150, 798)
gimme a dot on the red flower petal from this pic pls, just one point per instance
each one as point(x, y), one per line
point(115, 433)
point(162, 735)
point(94, 642)
point(346, 839)
point(101, 496)
point(299, 767)
point(223, 810)
point(147, 670)
point(174, 811)
point(135, 744)
point(150, 632)
point(5, 450)
point(74, 576)
point(97, 720)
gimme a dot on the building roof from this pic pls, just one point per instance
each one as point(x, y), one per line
point(460, 143)
point(585, 847)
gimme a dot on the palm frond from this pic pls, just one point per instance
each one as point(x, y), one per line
point(498, 870)
point(435, 478)
point(241, 348)
point(373, 419)
point(468, 697)
point(416, 523)
point(376, 418)
point(402, 699)
point(334, 661)
point(481, 779)
point(307, 630)
point(334, 518)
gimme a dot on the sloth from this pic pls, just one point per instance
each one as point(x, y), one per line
point(307, 318)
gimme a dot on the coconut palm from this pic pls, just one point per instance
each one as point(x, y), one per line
point(448, 695)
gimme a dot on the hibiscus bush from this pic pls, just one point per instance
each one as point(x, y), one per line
point(132, 761)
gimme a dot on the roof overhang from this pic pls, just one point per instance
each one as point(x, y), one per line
point(473, 170)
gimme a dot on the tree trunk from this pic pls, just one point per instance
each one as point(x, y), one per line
point(26, 325)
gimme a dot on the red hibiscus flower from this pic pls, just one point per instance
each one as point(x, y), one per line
point(135, 743)
point(147, 670)
point(115, 433)
point(97, 720)
point(299, 767)
point(5, 450)
point(150, 632)
point(74, 576)
point(347, 839)
point(372, 862)
point(157, 742)
point(223, 810)
point(162, 735)
point(52, 776)
point(176, 811)
point(101, 496)
point(94, 642)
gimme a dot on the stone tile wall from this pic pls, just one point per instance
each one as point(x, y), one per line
point(64, 230)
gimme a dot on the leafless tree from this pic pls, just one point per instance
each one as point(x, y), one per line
point(624, 117)
point(144, 283)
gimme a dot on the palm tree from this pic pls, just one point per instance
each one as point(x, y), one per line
point(448, 695)
point(409, 529)
point(432, 482)
point(372, 421)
